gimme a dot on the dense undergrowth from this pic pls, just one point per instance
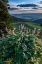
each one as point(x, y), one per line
point(20, 48)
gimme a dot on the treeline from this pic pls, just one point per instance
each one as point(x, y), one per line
point(15, 19)
point(38, 21)
point(4, 15)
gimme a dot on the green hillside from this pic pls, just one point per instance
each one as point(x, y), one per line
point(32, 24)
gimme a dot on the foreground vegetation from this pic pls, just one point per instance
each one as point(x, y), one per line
point(20, 46)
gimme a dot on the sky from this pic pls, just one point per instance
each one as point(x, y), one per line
point(19, 6)
point(26, 1)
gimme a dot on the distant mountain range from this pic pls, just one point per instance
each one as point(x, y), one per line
point(38, 21)
point(32, 17)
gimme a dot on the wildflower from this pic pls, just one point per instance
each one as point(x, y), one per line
point(34, 30)
point(3, 35)
point(22, 35)
point(9, 31)
point(38, 32)
point(27, 31)
point(1, 31)
point(24, 29)
point(19, 27)
point(12, 31)
point(6, 29)
point(22, 26)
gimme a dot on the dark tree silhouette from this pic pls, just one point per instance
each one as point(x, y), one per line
point(4, 15)
point(5, 1)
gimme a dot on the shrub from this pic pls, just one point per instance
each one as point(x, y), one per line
point(21, 50)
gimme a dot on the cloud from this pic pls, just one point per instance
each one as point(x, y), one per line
point(13, 9)
point(25, 11)
point(35, 8)
point(18, 8)
point(40, 8)
point(40, 2)
point(28, 5)
point(23, 6)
